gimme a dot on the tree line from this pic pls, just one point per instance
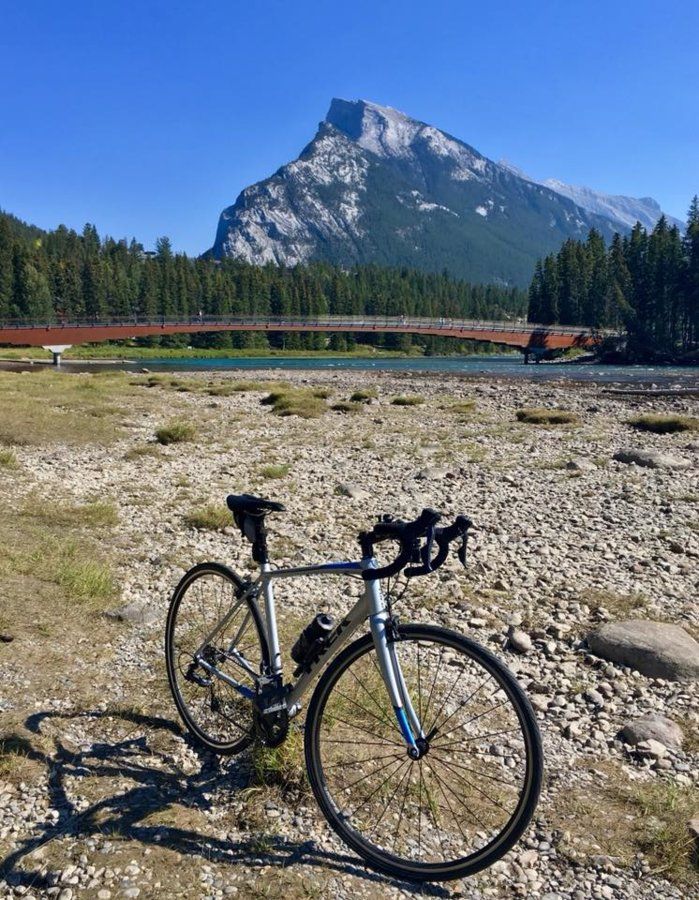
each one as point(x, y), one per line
point(63, 275)
point(644, 283)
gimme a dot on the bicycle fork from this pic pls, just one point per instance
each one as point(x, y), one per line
point(381, 626)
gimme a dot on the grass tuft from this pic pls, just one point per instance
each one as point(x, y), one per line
point(176, 433)
point(275, 471)
point(8, 460)
point(541, 416)
point(84, 580)
point(411, 400)
point(364, 395)
point(281, 766)
point(664, 424)
point(295, 402)
point(344, 406)
point(140, 452)
point(212, 517)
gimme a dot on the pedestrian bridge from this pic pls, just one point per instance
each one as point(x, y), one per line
point(529, 338)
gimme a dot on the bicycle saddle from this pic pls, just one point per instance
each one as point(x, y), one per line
point(255, 506)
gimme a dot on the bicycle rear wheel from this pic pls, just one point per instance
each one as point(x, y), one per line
point(469, 797)
point(208, 620)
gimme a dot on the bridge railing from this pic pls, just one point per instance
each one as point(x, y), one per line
point(361, 323)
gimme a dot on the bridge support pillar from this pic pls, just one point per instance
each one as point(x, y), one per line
point(57, 350)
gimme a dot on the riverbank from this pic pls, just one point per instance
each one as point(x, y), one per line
point(99, 791)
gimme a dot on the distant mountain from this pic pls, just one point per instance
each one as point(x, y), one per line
point(375, 186)
point(623, 211)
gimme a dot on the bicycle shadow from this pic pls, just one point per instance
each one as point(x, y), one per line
point(158, 786)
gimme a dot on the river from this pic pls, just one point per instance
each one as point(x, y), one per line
point(509, 367)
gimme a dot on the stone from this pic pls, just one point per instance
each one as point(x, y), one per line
point(519, 640)
point(594, 697)
point(651, 748)
point(653, 727)
point(353, 491)
point(135, 613)
point(651, 459)
point(654, 649)
point(431, 474)
point(580, 464)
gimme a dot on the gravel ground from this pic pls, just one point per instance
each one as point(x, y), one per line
point(115, 802)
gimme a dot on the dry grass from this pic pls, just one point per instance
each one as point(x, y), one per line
point(617, 817)
point(8, 460)
point(664, 424)
point(142, 451)
point(619, 605)
point(96, 514)
point(54, 408)
point(344, 406)
point(273, 472)
point(176, 433)
point(541, 416)
point(212, 517)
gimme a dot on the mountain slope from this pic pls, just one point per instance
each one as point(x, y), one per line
point(375, 186)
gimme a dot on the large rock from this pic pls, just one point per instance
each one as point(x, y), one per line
point(652, 648)
point(653, 727)
point(651, 459)
point(135, 613)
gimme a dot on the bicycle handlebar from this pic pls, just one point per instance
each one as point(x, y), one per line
point(408, 535)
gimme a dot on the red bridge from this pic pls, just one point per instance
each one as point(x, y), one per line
point(529, 338)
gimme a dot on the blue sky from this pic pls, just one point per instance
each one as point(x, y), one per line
point(148, 118)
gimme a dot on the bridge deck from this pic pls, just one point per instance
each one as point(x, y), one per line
point(512, 334)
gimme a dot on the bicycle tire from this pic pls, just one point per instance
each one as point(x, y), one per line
point(378, 857)
point(174, 663)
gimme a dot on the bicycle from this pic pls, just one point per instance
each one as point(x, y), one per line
point(421, 748)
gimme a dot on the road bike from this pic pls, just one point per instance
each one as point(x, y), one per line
point(421, 748)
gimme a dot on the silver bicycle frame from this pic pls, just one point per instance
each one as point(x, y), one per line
point(371, 605)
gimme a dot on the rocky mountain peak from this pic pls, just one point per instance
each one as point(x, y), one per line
point(377, 186)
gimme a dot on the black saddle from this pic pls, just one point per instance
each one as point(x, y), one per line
point(249, 515)
point(253, 506)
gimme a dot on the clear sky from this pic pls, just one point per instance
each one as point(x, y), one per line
point(148, 118)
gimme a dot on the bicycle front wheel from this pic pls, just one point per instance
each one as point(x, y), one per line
point(467, 799)
point(208, 622)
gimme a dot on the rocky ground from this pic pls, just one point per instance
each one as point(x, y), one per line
point(101, 794)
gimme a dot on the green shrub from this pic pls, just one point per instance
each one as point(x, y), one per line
point(540, 416)
point(212, 517)
point(412, 400)
point(176, 433)
point(664, 424)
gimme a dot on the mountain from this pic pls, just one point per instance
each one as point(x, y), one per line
point(375, 186)
point(623, 211)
